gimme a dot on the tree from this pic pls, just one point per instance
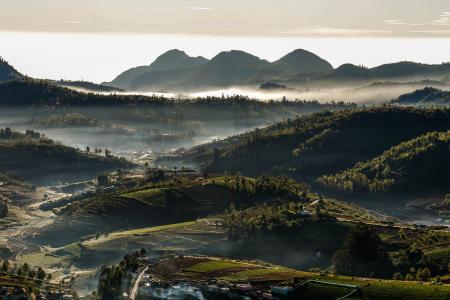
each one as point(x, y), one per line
point(103, 180)
point(5, 265)
point(25, 269)
point(362, 254)
point(40, 274)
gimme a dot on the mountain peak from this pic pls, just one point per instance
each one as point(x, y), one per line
point(174, 53)
point(174, 59)
point(235, 53)
point(302, 61)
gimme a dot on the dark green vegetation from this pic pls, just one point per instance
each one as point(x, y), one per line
point(7, 72)
point(41, 160)
point(420, 165)
point(362, 254)
point(325, 143)
point(426, 97)
point(115, 280)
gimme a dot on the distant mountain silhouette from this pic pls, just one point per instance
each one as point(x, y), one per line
point(171, 60)
point(399, 70)
point(301, 61)
point(7, 72)
point(226, 69)
point(424, 97)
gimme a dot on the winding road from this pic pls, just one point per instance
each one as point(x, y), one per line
point(135, 288)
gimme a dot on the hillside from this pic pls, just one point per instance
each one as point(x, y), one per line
point(7, 72)
point(425, 97)
point(41, 160)
point(325, 143)
point(416, 166)
point(173, 200)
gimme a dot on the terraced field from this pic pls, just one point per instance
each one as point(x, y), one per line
point(262, 274)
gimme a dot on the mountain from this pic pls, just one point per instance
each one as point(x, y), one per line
point(349, 73)
point(301, 61)
point(424, 97)
point(223, 70)
point(228, 68)
point(325, 143)
point(7, 72)
point(171, 60)
point(415, 166)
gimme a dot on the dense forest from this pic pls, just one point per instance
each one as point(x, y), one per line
point(416, 166)
point(325, 143)
point(425, 97)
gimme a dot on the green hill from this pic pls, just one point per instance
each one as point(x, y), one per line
point(425, 97)
point(41, 160)
point(325, 143)
point(416, 166)
point(171, 201)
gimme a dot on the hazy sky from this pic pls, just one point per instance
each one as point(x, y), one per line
point(97, 39)
point(231, 17)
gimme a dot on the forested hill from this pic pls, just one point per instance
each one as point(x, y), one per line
point(418, 165)
point(7, 72)
point(29, 91)
point(41, 160)
point(425, 97)
point(327, 142)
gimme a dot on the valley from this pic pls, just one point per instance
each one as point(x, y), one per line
point(110, 192)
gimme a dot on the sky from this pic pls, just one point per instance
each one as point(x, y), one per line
point(97, 39)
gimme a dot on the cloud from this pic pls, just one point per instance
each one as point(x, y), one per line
point(199, 8)
point(76, 22)
point(443, 20)
point(436, 32)
point(400, 22)
point(318, 30)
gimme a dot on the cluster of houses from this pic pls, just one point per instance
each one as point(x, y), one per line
point(19, 293)
point(152, 289)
